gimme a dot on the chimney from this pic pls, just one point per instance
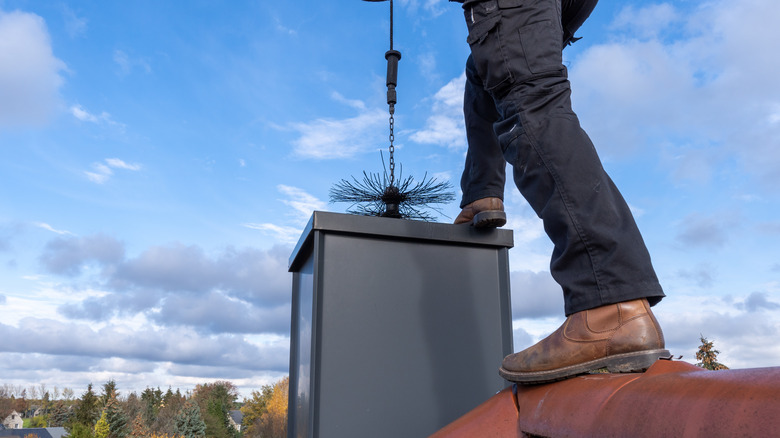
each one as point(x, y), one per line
point(398, 326)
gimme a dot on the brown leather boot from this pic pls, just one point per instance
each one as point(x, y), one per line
point(483, 213)
point(622, 338)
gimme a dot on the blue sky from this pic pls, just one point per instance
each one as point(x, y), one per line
point(161, 160)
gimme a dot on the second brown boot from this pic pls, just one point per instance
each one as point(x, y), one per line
point(483, 213)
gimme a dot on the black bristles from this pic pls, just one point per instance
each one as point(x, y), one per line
point(375, 196)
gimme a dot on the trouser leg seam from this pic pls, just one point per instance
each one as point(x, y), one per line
point(560, 189)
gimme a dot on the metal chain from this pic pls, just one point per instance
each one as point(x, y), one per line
point(392, 150)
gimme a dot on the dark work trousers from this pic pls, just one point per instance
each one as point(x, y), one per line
point(517, 109)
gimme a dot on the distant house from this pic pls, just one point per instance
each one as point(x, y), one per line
point(30, 412)
point(13, 421)
point(235, 417)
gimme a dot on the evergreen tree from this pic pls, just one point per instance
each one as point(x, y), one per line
point(101, 427)
point(59, 415)
point(117, 421)
point(216, 422)
point(152, 401)
point(87, 412)
point(140, 430)
point(166, 416)
point(189, 422)
point(708, 356)
point(46, 403)
point(109, 391)
point(169, 396)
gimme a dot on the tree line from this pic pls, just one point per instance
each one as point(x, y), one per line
point(203, 412)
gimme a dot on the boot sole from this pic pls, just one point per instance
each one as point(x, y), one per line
point(489, 219)
point(635, 362)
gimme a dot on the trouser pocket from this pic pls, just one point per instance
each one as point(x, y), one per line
point(512, 40)
point(541, 43)
point(485, 42)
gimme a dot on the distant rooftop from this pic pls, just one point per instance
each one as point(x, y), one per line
point(37, 432)
point(237, 416)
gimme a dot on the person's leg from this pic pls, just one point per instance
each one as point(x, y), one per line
point(599, 255)
point(483, 178)
point(599, 258)
point(484, 175)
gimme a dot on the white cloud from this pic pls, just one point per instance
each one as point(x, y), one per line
point(433, 7)
point(127, 64)
point(702, 80)
point(124, 328)
point(689, 163)
point(774, 114)
point(428, 66)
point(99, 177)
point(172, 285)
point(445, 127)
point(648, 21)
point(282, 233)
point(702, 276)
point(339, 138)
point(442, 176)
point(121, 59)
point(29, 72)
point(711, 232)
point(284, 29)
point(74, 25)
point(522, 339)
point(178, 345)
point(357, 104)
point(82, 114)
point(102, 172)
point(303, 203)
point(636, 211)
point(67, 256)
point(119, 164)
point(46, 226)
point(532, 247)
point(535, 295)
